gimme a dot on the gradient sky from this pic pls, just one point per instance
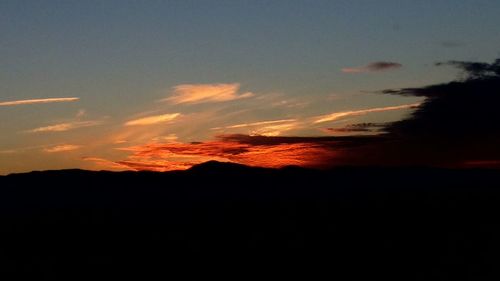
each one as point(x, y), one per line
point(87, 84)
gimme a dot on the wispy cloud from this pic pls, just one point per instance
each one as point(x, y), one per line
point(274, 130)
point(342, 114)
point(65, 126)
point(265, 128)
point(167, 138)
point(151, 120)
point(201, 93)
point(104, 164)
point(358, 128)
point(243, 125)
point(373, 67)
point(62, 148)
point(249, 150)
point(35, 101)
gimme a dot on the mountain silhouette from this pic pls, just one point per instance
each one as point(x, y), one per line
point(225, 219)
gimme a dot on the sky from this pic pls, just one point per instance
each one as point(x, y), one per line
point(106, 84)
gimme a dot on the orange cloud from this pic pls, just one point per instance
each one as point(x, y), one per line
point(151, 120)
point(62, 148)
point(35, 101)
point(201, 93)
point(266, 128)
point(258, 123)
point(274, 130)
point(64, 126)
point(273, 153)
point(167, 138)
point(104, 164)
point(339, 115)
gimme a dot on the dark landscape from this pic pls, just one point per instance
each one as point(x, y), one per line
point(222, 219)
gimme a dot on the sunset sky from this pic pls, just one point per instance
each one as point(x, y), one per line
point(162, 85)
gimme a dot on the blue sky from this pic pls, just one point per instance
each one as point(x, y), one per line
point(121, 57)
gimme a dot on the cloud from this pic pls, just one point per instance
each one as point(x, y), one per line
point(358, 128)
point(152, 120)
point(274, 130)
point(476, 69)
point(167, 138)
point(243, 125)
point(373, 67)
point(261, 151)
point(343, 114)
point(459, 121)
point(248, 150)
point(104, 164)
point(62, 148)
point(265, 128)
point(36, 101)
point(202, 93)
point(65, 126)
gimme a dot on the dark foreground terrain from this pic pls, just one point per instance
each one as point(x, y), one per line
point(224, 220)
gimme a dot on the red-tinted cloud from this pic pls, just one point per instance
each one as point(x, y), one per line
point(272, 152)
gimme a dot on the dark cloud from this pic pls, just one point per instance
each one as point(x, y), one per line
point(458, 122)
point(329, 142)
point(383, 65)
point(457, 125)
point(359, 127)
point(476, 69)
point(373, 67)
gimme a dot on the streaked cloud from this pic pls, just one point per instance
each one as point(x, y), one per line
point(151, 120)
point(65, 126)
point(249, 150)
point(167, 138)
point(343, 114)
point(36, 101)
point(61, 148)
point(358, 128)
point(373, 67)
point(274, 130)
point(202, 93)
point(265, 128)
point(104, 164)
point(252, 124)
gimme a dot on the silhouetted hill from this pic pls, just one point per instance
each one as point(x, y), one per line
point(348, 223)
